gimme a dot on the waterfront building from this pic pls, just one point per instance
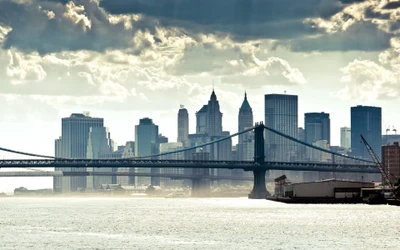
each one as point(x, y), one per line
point(345, 137)
point(74, 133)
point(366, 121)
point(183, 124)
point(281, 115)
point(146, 144)
point(391, 161)
point(317, 126)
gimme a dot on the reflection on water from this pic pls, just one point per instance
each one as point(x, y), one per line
point(237, 223)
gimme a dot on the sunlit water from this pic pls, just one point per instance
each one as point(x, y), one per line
point(159, 223)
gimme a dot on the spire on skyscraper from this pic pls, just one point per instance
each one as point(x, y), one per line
point(245, 104)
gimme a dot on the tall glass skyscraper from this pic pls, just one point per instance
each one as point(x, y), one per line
point(366, 121)
point(281, 115)
point(317, 126)
point(74, 140)
point(146, 144)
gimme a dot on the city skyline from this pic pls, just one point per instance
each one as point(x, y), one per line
point(333, 55)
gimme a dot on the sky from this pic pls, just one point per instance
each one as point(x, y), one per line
point(125, 60)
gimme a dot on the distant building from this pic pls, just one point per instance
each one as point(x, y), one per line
point(209, 118)
point(345, 137)
point(74, 133)
point(390, 139)
point(146, 144)
point(162, 139)
point(183, 124)
point(317, 126)
point(366, 121)
point(301, 149)
point(169, 147)
point(391, 161)
point(245, 118)
point(128, 152)
point(281, 115)
point(99, 144)
point(317, 155)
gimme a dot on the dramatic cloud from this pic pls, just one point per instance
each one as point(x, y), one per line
point(51, 27)
point(366, 80)
point(362, 36)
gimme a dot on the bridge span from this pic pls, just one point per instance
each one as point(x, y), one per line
point(338, 163)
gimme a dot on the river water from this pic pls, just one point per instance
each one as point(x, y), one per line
point(160, 223)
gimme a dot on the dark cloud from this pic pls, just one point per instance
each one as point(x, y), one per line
point(392, 5)
point(371, 13)
point(242, 19)
point(363, 36)
point(43, 26)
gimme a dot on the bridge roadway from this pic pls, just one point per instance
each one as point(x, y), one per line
point(245, 165)
point(69, 173)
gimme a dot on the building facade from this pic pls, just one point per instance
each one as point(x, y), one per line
point(146, 144)
point(75, 133)
point(245, 118)
point(317, 126)
point(183, 124)
point(366, 121)
point(99, 145)
point(345, 137)
point(209, 118)
point(391, 161)
point(281, 114)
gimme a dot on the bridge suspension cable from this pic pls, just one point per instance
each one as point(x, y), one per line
point(28, 154)
point(315, 147)
point(194, 147)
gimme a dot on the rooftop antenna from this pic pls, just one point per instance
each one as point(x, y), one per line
point(182, 106)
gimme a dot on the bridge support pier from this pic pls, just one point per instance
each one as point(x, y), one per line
point(259, 190)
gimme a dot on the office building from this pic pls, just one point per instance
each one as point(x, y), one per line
point(345, 137)
point(146, 144)
point(128, 152)
point(99, 146)
point(391, 161)
point(183, 124)
point(317, 126)
point(366, 121)
point(75, 133)
point(245, 118)
point(168, 147)
point(281, 115)
point(57, 181)
point(209, 118)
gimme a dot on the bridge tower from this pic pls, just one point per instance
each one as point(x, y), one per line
point(259, 190)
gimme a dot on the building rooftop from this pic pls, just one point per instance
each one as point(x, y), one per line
point(245, 104)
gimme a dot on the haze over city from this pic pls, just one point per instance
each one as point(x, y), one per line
point(126, 60)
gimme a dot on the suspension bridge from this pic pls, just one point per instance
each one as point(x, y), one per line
point(283, 152)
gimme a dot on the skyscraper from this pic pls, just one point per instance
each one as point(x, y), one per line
point(317, 126)
point(245, 117)
point(366, 121)
point(183, 124)
point(99, 143)
point(281, 115)
point(75, 133)
point(146, 144)
point(345, 136)
point(209, 118)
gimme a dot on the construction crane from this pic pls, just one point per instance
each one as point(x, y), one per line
point(380, 166)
